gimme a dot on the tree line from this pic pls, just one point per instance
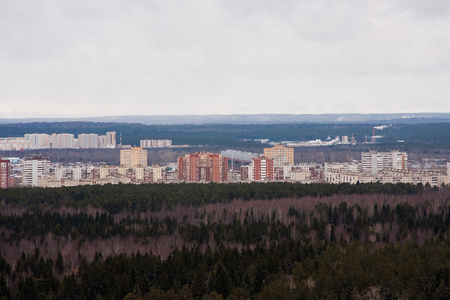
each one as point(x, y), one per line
point(155, 197)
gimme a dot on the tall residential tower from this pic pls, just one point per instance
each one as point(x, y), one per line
point(281, 155)
point(5, 173)
point(203, 167)
point(133, 157)
point(34, 168)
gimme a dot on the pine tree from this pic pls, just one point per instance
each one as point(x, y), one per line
point(59, 265)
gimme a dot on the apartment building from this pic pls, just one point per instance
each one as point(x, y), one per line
point(203, 167)
point(111, 139)
point(14, 143)
point(157, 174)
point(133, 157)
point(38, 140)
point(34, 168)
point(281, 155)
point(72, 172)
point(5, 173)
point(65, 141)
point(374, 162)
point(263, 169)
point(88, 140)
point(155, 143)
point(62, 141)
point(344, 166)
point(388, 176)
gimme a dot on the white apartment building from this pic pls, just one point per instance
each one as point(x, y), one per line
point(345, 167)
point(249, 171)
point(39, 140)
point(72, 172)
point(67, 141)
point(88, 140)
point(338, 176)
point(287, 171)
point(111, 139)
point(155, 143)
point(374, 162)
point(34, 168)
point(387, 176)
point(62, 141)
point(399, 160)
point(102, 141)
point(14, 143)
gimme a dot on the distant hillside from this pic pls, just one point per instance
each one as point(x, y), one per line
point(402, 118)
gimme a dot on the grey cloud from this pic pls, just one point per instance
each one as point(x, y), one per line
point(308, 55)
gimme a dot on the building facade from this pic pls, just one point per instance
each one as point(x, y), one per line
point(14, 143)
point(263, 169)
point(88, 140)
point(281, 155)
point(5, 173)
point(203, 167)
point(62, 141)
point(155, 143)
point(374, 162)
point(388, 176)
point(133, 157)
point(34, 169)
point(111, 139)
point(67, 141)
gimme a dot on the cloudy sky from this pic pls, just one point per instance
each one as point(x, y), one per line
point(144, 57)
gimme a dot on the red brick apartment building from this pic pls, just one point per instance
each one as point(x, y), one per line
point(203, 167)
point(263, 169)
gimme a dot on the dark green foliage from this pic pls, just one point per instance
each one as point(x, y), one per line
point(346, 270)
point(154, 197)
point(233, 134)
point(360, 245)
point(59, 264)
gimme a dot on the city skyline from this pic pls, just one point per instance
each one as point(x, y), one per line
point(82, 59)
point(385, 167)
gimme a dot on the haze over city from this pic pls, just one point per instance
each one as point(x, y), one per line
point(100, 58)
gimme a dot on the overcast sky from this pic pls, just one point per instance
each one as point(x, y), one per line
point(99, 58)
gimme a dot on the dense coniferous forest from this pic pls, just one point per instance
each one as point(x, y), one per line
point(234, 241)
point(233, 135)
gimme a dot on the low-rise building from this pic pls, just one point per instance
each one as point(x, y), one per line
point(388, 176)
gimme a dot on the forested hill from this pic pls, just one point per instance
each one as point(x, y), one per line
point(233, 135)
point(235, 241)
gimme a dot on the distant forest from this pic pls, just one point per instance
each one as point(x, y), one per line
point(226, 241)
point(421, 140)
point(231, 135)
